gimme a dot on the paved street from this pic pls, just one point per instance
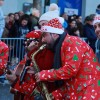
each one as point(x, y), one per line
point(4, 92)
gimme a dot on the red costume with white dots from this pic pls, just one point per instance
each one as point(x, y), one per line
point(4, 52)
point(80, 72)
point(44, 60)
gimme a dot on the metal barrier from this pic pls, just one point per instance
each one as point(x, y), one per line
point(16, 49)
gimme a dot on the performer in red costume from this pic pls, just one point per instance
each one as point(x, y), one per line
point(4, 52)
point(74, 63)
point(44, 60)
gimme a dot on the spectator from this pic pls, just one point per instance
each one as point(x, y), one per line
point(65, 16)
point(92, 16)
point(10, 21)
point(98, 9)
point(35, 18)
point(80, 25)
point(74, 16)
point(16, 18)
point(5, 33)
point(23, 27)
point(21, 13)
point(15, 25)
point(72, 24)
point(89, 32)
point(65, 25)
point(75, 32)
point(19, 32)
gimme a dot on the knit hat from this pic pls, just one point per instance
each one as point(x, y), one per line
point(49, 15)
point(34, 34)
point(96, 19)
point(53, 26)
point(53, 6)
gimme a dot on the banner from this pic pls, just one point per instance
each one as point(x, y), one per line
point(71, 4)
point(70, 11)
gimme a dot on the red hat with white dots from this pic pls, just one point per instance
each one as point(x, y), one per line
point(34, 34)
point(53, 26)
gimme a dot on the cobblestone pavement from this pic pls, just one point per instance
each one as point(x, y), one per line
point(4, 92)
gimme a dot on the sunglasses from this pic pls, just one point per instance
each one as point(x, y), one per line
point(28, 41)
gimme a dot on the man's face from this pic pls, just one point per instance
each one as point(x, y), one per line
point(48, 39)
point(11, 18)
point(73, 24)
point(24, 22)
point(16, 16)
point(97, 29)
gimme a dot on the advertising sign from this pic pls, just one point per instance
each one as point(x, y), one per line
point(70, 11)
point(70, 4)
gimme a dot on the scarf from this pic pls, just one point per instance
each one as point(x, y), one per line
point(57, 57)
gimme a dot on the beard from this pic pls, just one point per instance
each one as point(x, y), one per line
point(50, 46)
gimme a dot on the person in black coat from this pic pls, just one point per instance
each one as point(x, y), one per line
point(89, 32)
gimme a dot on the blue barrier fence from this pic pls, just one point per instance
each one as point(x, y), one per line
point(16, 49)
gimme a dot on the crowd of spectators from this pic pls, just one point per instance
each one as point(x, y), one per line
point(77, 27)
point(19, 24)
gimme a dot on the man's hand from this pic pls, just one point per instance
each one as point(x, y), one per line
point(32, 45)
point(30, 70)
point(37, 77)
point(11, 77)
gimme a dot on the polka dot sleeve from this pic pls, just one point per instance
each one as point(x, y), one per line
point(4, 52)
